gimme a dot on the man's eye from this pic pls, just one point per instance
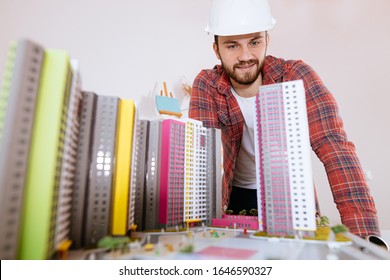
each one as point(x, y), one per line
point(231, 46)
point(255, 43)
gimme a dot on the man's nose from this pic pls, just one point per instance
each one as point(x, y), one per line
point(245, 54)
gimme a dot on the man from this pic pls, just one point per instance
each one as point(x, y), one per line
point(222, 97)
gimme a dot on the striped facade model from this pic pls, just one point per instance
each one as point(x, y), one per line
point(67, 179)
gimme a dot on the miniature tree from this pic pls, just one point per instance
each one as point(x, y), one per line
point(242, 212)
point(253, 212)
point(189, 248)
point(113, 243)
point(340, 228)
point(229, 212)
point(324, 221)
point(338, 231)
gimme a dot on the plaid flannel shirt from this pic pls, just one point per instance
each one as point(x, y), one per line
point(213, 103)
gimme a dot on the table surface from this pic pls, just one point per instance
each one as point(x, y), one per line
point(212, 243)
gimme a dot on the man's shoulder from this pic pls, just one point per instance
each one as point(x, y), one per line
point(277, 68)
point(277, 62)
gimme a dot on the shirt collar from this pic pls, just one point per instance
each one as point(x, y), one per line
point(222, 81)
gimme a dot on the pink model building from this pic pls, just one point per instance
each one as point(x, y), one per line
point(172, 173)
point(237, 221)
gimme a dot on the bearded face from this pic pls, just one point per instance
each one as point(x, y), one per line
point(244, 72)
point(242, 56)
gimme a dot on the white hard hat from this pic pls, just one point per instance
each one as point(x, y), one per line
point(236, 17)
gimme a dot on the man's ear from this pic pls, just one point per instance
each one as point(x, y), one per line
point(216, 50)
point(267, 39)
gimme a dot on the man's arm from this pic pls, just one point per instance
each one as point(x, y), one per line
point(329, 141)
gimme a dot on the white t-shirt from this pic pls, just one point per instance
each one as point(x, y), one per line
point(245, 170)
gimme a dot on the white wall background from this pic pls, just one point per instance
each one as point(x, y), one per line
point(128, 48)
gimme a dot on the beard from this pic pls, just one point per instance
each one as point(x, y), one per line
point(244, 78)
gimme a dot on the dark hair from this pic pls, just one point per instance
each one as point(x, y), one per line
point(216, 38)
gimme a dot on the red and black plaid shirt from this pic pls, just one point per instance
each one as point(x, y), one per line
point(213, 103)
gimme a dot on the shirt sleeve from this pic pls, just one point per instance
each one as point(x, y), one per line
point(329, 141)
point(202, 105)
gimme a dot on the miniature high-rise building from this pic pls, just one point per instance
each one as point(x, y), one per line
point(69, 159)
point(99, 201)
point(286, 192)
point(83, 162)
point(138, 177)
point(213, 175)
point(45, 160)
point(122, 168)
point(196, 171)
point(172, 164)
point(18, 98)
point(152, 185)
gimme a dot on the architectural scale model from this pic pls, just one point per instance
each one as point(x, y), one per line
point(76, 166)
point(178, 183)
point(83, 160)
point(67, 179)
point(152, 177)
point(122, 190)
point(197, 163)
point(80, 169)
point(39, 213)
point(286, 193)
point(138, 181)
point(19, 89)
point(171, 205)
